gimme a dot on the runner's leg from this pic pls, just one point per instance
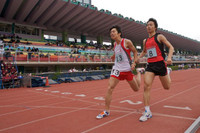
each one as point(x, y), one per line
point(148, 80)
point(135, 83)
point(166, 81)
point(112, 84)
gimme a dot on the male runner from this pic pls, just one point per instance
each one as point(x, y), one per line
point(122, 67)
point(154, 48)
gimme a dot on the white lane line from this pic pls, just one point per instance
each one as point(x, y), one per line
point(105, 123)
point(18, 111)
point(175, 107)
point(151, 105)
point(175, 95)
point(45, 118)
point(194, 127)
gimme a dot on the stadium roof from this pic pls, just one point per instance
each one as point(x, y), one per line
point(73, 17)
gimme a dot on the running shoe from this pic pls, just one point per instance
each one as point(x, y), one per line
point(146, 115)
point(103, 114)
point(141, 70)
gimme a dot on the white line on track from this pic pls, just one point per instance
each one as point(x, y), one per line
point(107, 122)
point(114, 110)
point(45, 118)
point(27, 109)
point(95, 127)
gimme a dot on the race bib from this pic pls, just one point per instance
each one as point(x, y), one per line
point(151, 52)
point(115, 72)
point(119, 58)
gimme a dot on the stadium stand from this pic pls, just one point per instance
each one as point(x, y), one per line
point(9, 75)
point(23, 42)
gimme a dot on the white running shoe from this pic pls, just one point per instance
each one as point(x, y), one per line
point(146, 115)
point(141, 70)
point(103, 114)
point(169, 70)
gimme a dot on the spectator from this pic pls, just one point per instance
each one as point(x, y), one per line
point(28, 43)
point(1, 52)
point(1, 42)
point(37, 50)
point(74, 70)
point(24, 49)
point(3, 71)
point(56, 53)
point(47, 55)
point(41, 55)
point(33, 49)
point(18, 41)
point(7, 53)
point(18, 51)
point(29, 53)
point(70, 70)
point(13, 70)
point(6, 80)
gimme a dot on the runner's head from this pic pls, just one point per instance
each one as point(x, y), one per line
point(152, 25)
point(115, 32)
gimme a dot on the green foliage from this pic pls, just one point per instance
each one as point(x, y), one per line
point(56, 75)
point(186, 67)
point(174, 67)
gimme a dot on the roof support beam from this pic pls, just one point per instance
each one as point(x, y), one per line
point(24, 12)
point(43, 5)
point(10, 10)
point(3, 2)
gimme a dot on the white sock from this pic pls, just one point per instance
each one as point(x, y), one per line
point(169, 70)
point(147, 108)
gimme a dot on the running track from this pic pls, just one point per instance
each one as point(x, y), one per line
point(72, 107)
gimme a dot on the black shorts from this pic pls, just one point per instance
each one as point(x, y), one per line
point(158, 68)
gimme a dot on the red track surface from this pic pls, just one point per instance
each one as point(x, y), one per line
point(72, 107)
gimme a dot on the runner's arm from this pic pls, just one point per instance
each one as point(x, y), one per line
point(130, 45)
point(163, 40)
point(144, 50)
point(113, 57)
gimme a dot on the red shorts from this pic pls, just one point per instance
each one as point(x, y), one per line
point(124, 75)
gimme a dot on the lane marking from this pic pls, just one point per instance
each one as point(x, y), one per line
point(105, 123)
point(155, 89)
point(80, 95)
point(55, 91)
point(40, 89)
point(151, 105)
point(66, 93)
point(164, 100)
point(29, 106)
point(175, 107)
point(175, 95)
point(44, 118)
point(130, 102)
point(99, 98)
point(194, 127)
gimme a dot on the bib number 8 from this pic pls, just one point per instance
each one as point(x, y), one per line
point(151, 52)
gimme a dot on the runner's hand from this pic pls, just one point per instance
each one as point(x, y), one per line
point(113, 58)
point(169, 61)
point(133, 66)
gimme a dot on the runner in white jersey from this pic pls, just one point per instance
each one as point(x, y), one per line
point(122, 62)
point(122, 69)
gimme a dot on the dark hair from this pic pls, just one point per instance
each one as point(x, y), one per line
point(154, 21)
point(117, 28)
